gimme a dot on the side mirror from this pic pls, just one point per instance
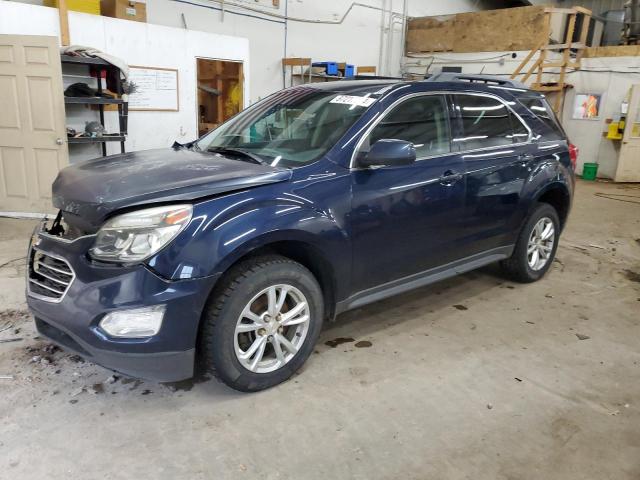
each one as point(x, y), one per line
point(388, 152)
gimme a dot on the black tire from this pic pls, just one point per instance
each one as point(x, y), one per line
point(517, 266)
point(237, 288)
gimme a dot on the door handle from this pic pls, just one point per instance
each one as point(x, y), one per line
point(59, 141)
point(450, 177)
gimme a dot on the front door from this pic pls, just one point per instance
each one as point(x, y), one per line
point(628, 169)
point(33, 145)
point(407, 219)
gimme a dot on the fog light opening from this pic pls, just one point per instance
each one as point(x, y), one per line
point(136, 323)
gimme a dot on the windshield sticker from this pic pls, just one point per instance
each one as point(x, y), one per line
point(353, 100)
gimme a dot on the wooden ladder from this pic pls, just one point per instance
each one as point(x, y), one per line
point(538, 67)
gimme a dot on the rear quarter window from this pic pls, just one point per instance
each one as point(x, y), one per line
point(541, 109)
point(486, 122)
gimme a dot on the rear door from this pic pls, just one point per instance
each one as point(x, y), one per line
point(494, 146)
point(33, 145)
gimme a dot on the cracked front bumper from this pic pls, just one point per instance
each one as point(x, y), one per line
point(71, 319)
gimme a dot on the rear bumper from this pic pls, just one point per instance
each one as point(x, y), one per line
point(73, 320)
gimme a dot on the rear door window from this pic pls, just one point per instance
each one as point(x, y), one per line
point(421, 120)
point(520, 131)
point(486, 122)
point(541, 109)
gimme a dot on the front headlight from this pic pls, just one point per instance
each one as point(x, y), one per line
point(135, 236)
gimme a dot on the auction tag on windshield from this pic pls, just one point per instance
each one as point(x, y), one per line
point(353, 100)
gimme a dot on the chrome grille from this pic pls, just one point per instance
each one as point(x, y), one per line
point(49, 276)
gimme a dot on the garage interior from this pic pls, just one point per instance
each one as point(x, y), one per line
point(473, 377)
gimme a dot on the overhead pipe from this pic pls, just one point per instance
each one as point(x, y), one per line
point(298, 19)
point(381, 45)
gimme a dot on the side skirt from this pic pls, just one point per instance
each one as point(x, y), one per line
point(421, 279)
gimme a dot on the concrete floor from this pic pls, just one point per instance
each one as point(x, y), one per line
point(475, 377)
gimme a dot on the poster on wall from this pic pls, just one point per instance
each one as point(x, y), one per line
point(156, 89)
point(586, 106)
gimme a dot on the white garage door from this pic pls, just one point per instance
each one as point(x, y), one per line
point(33, 143)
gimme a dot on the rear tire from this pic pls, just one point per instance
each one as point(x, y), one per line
point(246, 341)
point(536, 246)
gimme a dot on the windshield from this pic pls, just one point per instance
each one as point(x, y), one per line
point(290, 128)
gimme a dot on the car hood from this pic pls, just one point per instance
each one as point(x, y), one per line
point(90, 191)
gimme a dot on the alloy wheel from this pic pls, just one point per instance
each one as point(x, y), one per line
point(541, 243)
point(271, 328)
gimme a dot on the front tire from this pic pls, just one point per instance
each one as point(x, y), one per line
point(262, 323)
point(536, 246)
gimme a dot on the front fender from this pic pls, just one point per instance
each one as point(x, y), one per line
point(225, 229)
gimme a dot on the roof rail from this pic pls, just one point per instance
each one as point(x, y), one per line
point(486, 79)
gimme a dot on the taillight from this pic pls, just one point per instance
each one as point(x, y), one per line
point(573, 155)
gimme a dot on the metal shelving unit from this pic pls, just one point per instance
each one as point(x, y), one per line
point(93, 100)
point(97, 66)
point(104, 138)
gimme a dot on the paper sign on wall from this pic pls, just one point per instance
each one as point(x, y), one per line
point(156, 89)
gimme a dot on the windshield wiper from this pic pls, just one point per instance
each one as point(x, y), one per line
point(189, 146)
point(238, 151)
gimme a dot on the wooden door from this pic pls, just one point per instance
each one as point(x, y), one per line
point(629, 158)
point(33, 145)
point(219, 92)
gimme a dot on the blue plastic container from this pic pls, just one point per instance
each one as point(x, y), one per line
point(349, 70)
point(331, 68)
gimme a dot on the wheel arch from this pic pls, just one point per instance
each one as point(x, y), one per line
point(558, 196)
point(297, 247)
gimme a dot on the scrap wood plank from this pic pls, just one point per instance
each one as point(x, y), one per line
point(296, 62)
point(65, 38)
point(546, 88)
point(613, 51)
point(520, 28)
point(524, 62)
point(430, 34)
point(566, 56)
point(584, 34)
point(365, 69)
point(532, 69)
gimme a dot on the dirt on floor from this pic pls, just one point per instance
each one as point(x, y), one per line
point(475, 377)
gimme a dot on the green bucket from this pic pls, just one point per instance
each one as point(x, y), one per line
point(589, 171)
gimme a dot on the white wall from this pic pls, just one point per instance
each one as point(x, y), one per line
point(588, 134)
point(365, 37)
point(355, 40)
point(137, 44)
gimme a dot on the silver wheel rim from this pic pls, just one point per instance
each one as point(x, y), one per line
point(272, 328)
point(541, 243)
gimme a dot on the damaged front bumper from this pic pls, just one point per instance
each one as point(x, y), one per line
point(69, 294)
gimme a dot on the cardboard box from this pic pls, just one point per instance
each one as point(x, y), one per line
point(125, 9)
point(85, 6)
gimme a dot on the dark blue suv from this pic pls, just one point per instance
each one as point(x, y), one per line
point(232, 250)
